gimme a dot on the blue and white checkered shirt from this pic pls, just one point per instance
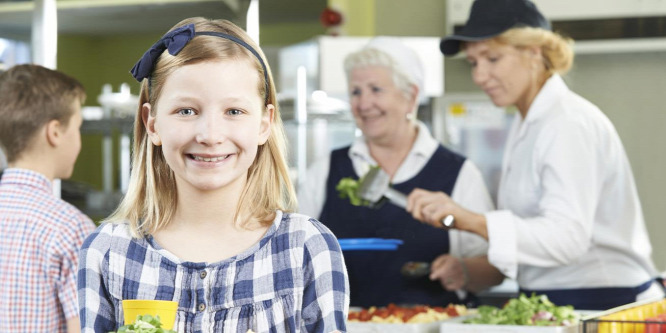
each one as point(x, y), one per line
point(293, 280)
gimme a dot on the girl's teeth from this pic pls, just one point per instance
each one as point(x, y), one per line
point(209, 159)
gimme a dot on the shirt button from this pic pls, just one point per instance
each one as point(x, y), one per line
point(203, 274)
point(202, 307)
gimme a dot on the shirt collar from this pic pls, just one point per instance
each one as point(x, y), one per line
point(16, 176)
point(424, 144)
point(549, 94)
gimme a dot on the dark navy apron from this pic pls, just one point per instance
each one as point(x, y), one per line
point(374, 276)
point(592, 298)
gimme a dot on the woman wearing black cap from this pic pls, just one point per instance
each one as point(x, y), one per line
point(569, 223)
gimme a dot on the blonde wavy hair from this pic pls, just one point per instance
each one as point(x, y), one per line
point(557, 50)
point(151, 198)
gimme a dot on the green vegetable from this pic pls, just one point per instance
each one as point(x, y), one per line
point(145, 324)
point(349, 187)
point(534, 310)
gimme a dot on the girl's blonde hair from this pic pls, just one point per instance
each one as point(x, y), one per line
point(556, 49)
point(151, 198)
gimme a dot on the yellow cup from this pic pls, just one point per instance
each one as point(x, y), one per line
point(165, 309)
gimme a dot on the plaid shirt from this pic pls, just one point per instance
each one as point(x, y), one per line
point(40, 236)
point(293, 280)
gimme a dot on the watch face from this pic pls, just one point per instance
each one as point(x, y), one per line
point(449, 221)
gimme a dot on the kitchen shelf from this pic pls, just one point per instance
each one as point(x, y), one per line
point(112, 17)
point(635, 45)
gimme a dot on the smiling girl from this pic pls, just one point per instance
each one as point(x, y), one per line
point(206, 221)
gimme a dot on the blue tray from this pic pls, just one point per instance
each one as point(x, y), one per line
point(376, 244)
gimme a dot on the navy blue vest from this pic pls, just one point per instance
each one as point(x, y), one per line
point(374, 276)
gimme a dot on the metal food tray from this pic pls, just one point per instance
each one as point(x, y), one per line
point(595, 323)
point(370, 327)
point(375, 327)
point(456, 325)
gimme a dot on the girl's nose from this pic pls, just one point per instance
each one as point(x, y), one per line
point(210, 130)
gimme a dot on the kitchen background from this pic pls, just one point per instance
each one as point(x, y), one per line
point(620, 66)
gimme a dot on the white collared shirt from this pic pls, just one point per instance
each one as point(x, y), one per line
point(469, 190)
point(569, 214)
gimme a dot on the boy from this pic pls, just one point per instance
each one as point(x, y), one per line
point(40, 234)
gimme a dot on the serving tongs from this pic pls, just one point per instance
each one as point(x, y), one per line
point(375, 188)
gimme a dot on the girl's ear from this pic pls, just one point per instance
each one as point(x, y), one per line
point(266, 122)
point(149, 124)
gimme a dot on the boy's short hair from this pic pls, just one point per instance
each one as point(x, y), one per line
point(31, 96)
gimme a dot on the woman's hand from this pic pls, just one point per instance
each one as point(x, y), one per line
point(431, 207)
point(450, 272)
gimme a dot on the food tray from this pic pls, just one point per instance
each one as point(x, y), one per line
point(637, 317)
point(427, 325)
point(456, 325)
point(369, 327)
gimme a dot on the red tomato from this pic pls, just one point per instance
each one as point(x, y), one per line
point(451, 311)
point(382, 313)
point(365, 315)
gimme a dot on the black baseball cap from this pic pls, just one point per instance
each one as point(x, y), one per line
point(489, 18)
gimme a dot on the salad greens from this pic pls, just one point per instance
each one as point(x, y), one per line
point(536, 310)
point(145, 324)
point(347, 187)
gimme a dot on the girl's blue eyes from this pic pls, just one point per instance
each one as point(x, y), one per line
point(234, 112)
point(186, 112)
point(191, 112)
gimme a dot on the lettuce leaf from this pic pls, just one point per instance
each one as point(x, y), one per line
point(536, 310)
point(144, 324)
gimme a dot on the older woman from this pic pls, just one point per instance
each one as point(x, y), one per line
point(385, 79)
point(570, 223)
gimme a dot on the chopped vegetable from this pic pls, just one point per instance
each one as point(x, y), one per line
point(400, 314)
point(145, 324)
point(534, 310)
point(349, 187)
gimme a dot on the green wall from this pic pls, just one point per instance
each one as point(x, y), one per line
point(289, 33)
point(96, 61)
point(410, 17)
